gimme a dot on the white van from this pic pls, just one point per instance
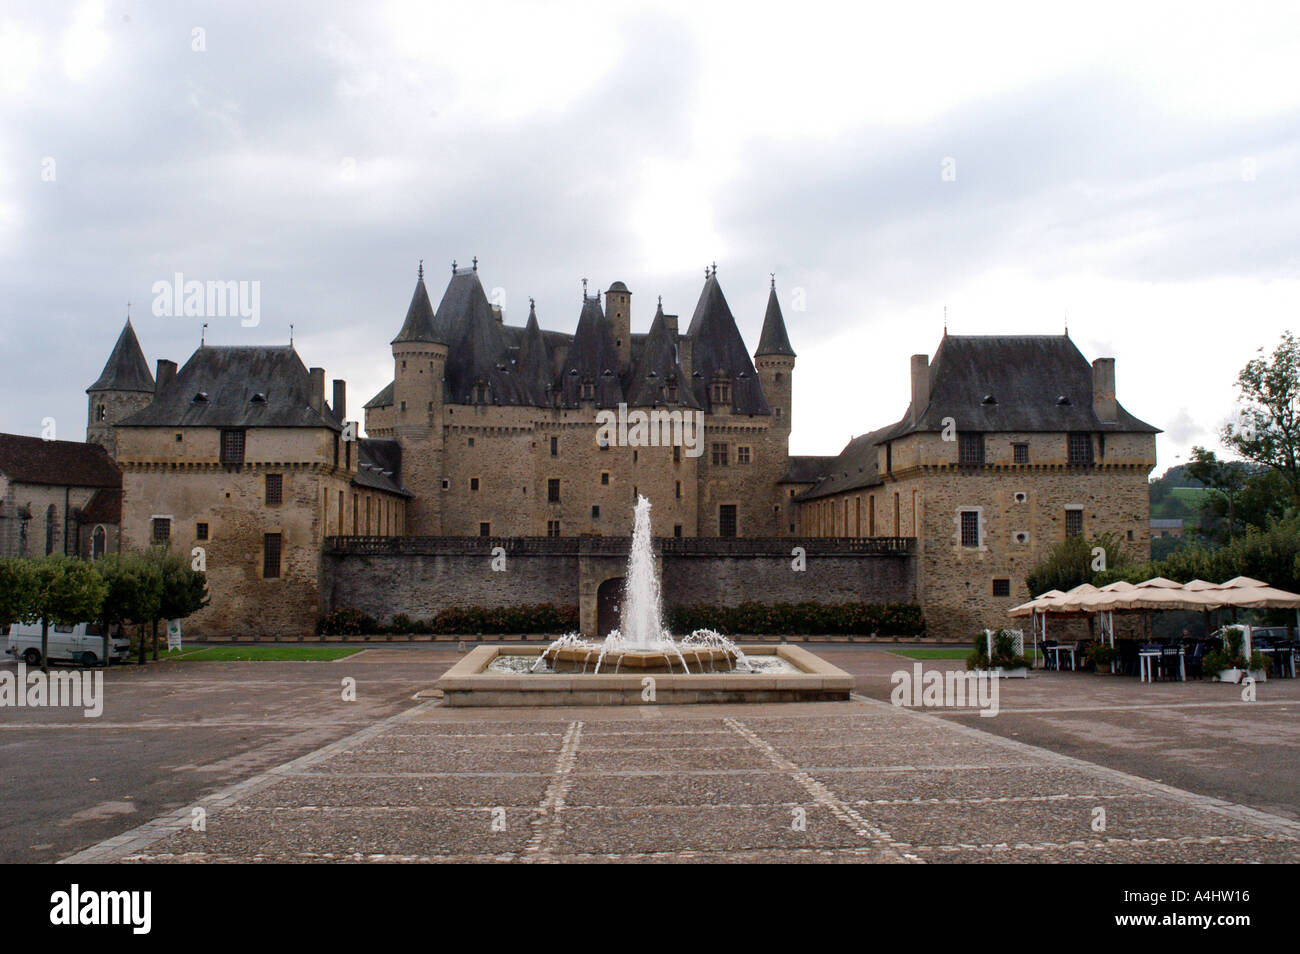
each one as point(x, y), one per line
point(81, 643)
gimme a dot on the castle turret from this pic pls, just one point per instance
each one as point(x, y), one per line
point(124, 387)
point(419, 363)
point(774, 361)
point(618, 311)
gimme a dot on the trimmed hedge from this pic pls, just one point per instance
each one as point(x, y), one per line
point(469, 620)
point(862, 619)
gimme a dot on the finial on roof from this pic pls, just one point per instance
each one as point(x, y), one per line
point(773, 274)
point(476, 263)
point(715, 269)
point(661, 301)
point(420, 273)
point(584, 288)
point(706, 273)
point(945, 320)
point(291, 334)
point(203, 334)
point(1067, 323)
point(128, 312)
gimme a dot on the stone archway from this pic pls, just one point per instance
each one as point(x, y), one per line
point(609, 597)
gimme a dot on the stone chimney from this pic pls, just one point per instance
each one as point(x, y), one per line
point(920, 385)
point(317, 396)
point(1103, 390)
point(340, 405)
point(164, 375)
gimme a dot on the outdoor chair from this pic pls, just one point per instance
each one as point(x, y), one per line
point(1128, 656)
point(1171, 662)
point(1049, 654)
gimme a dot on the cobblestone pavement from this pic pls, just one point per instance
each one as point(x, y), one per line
point(859, 781)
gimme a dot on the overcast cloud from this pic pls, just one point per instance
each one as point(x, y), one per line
point(1134, 167)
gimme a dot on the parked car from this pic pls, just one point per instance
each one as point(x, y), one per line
point(80, 643)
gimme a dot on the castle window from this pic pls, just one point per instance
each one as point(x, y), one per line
point(403, 405)
point(274, 489)
point(446, 484)
point(553, 490)
point(1081, 449)
point(970, 529)
point(677, 489)
point(604, 477)
point(99, 543)
point(473, 483)
point(776, 411)
point(1001, 587)
point(727, 520)
point(271, 556)
point(889, 458)
point(1074, 522)
point(179, 438)
point(552, 528)
point(588, 391)
point(677, 530)
point(1020, 453)
point(670, 393)
point(232, 447)
point(595, 511)
point(970, 449)
point(677, 453)
point(162, 529)
point(555, 447)
point(721, 392)
point(470, 442)
point(101, 412)
point(719, 455)
point(485, 529)
point(742, 454)
point(200, 531)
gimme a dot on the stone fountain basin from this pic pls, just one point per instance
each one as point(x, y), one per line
point(467, 683)
point(581, 659)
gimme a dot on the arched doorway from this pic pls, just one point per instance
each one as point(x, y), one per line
point(609, 596)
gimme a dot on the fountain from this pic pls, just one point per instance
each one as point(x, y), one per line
point(640, 661)
point(642, 643)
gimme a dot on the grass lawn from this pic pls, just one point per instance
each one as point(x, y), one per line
point(259, 654)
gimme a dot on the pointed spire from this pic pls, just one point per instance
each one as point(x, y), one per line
point(126, 369)
point(419, 324)
point(774, 339)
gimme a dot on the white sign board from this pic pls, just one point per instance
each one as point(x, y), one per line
point(173, 634)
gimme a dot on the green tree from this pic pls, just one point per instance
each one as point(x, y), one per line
point(1269, 431)
point(1071, 561)
point(1225, 481)
point(17, 590)
point(184, 590)
point(133, 591)
point(65, 590)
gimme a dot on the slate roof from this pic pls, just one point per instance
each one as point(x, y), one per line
point(719, 347)
point(518, 363)
point(657, 366)
point(379, 466)
point(126, 368)
point(31, 460)
point(420, 323)
point(805, 470)
point(228, 378)
point(774, 339)
point(591, 358)
point(384, 398)
point(1026, 376)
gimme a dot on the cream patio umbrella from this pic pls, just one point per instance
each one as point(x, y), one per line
point(1244, 593)
point(1037, 610)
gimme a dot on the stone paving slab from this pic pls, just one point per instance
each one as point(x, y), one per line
point(837, 782)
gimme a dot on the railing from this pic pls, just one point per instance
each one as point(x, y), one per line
point(619, 546)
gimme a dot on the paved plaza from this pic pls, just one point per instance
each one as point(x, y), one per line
point(283, 771)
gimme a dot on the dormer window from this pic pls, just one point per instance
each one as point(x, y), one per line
point(721, 389)
point(588, 391)
point(201, 397)
point(258, 398)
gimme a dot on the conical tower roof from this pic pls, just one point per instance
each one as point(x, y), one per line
point(717, 346)
point(419, 324)
point(126, 369)
point(536, 368)
point(774, 339)
point(659, 367)
point(592, 358)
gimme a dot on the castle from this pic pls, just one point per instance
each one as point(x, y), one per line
point(496, 435)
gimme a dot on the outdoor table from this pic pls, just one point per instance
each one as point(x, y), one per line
point(1145, 656)
point(1062, 649)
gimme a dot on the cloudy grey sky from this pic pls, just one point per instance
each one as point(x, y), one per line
point(1133, 166)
